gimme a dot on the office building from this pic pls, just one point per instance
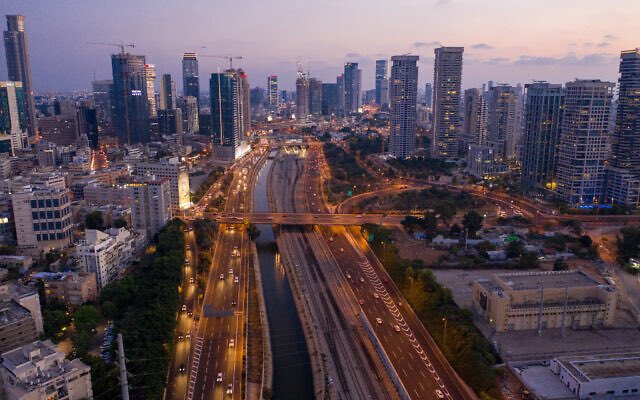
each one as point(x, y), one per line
point(272, 91)
point(178, 175)
point(352, 87)
point(329, 98)
point(38, 371)
point(167, 93)
point(130, 99)
point(105, 254)
point(340, 85)
point(302, 95)
point(170, 122)
point(315, 96)
point(16, 46)
point(43, 217)
point(88, 124)
point(190, 118)
point(403, 96)
point(623, 173)
point(17, 325)
point(540, 300)
point(150, 70)
point(245, 99)
point(74, 288)
point(190, 76)
point(102, 93)
point(482, 162)
point(428, 94)
point(257, 97)
point(501, 120)
point(13, 116)
point(542, 124)
point(447, 81)
point(474, 124)
point(150, 205)
point(584, 142)
point(59, 129)
point(382, 83)
point(227, 116)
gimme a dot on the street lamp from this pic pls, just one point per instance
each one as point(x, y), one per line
point(384, 251)
point(445, 332)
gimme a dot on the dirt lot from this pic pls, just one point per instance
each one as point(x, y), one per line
point(411, 248)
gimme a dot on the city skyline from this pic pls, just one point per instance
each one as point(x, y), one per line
point(556, 51)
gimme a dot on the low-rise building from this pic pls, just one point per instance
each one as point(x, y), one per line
point(69, 287)
point(38, 371)
point(539, 300)
point(17, 326)
point(177, 174)
point(21, 263)
point(606, 375)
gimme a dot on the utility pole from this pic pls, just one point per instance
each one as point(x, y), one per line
point(123, 369)
point(564, 311)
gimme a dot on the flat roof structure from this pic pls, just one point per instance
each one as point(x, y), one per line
point(603, 366)
point(547, 279)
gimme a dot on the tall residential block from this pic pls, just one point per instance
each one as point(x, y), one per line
point(584, 142)
point(329, 98)
point(131, 104)
point(272, 90)
point(352, 87)
point(167, 93)
point(227, 119)
point(245, 104)
point(403, 96)
point(501, 121)
point(16, 46)
point(302, 95)
point(315, 96)
point(190, 117)
point(382, 82)
point(447, 81)
point(150, 205)
point(13, 116)
point(150, 70)
point(102, 93)
point(428, 94)
point(542, 124)
point(474, 126)
point(623, 175)
point(190, 76)
point(177, 173)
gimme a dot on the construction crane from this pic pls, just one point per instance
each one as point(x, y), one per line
point(121, 45)
point(229, 58)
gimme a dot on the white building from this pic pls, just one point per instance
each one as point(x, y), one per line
point(27, 298)
point(150, 205)
point(38, 371)
point(105, 253)
point(178, 175)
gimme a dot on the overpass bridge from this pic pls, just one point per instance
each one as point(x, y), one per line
point(304, 218)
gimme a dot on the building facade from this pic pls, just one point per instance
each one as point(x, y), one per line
point(130, 98)
point(474, 127)
point(150, 205)
point(75, 288)
point(352, 87)
point(105, 254)
point(403, 94)
point(13, 115)
point(315, 96)
point(150, 70)
point(272, 91)
point(190, 76)
point(302, 95)
point(102, 93)
point(501, 121)
point(17, 325)
point(447, 81)
point(59, 129)
point(178, 175)
point(167, 93)
point(226, 115)
point(382, 83)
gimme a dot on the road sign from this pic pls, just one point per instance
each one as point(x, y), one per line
point(349, 193)
point(371, 238)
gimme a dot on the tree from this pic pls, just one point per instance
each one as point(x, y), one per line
point(585, 241)
point(7, 250)
point(472, 222)
point(529, 260)
point(430, 225)
point(484, 247)
point(94, 220)
point(628, 243)
point(86, 318)
point(455, 230)
point(109, 310)
point(560, 265)
point(515, 249)
point(119, 223)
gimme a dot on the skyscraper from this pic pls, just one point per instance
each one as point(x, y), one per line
point(340, 86)
point(167, 93)
point(447, 81)
point(428, 94)
point(131, 105)
point(226, 114)
point(272, 87)
point(329, 98)
point(584, 142)
point(474, 125)
point(245, 99)
point(352, 81)
point(623, 175)
point(13, 116)
point(191, 122)
point(542, 124)
point(102, 101)
point(382, 83)
point(403, 95)
point(16, 45)
point(501, 123)
point(190, 76)
point(315, 96)
point(150, 70)
point(302, 95)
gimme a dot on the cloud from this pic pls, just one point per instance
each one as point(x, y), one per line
point(442, 2)
point(427, 44)
point(498, 60)
point(589, 59)
point(602, 44)
point(482, 46)
point(354, 55)
point(610, 36)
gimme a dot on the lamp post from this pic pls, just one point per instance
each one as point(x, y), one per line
point(384, 251)
point(444, 319)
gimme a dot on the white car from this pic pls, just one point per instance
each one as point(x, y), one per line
point(230, 271)
point(230, 389)
point(376, 295)
point(439, 394)
point(232, 343)
point(236, 280)
point(396, 328)
point(219, 378)
point(221, 277)
point(379, 321)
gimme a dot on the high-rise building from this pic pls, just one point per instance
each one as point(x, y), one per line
point(584, 142)
point(170, 122)
point(352, 87)
point(272, 88)
point(151, 89)
point(13, 116)
point(190, 118)
point(178, 175)
point(382, 83)
point(226, 115)
point(302, 95)
point(190, 76)
point(542, 125)
point(474, 125)
point(340, 86)
point(315, 96)
point(150, 205)
point(167, 93)
point(16, 45)
point(623, 174)
point(329, 98)
point(130, 100)
point(102, 101)
point(245, 100)
point(59, 129)
point(447, 81)
point(428, 94)
point(403, 96)
point(501, 122)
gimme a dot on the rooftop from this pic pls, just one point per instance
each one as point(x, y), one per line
point(547, 279)
point(603, 366)
point(11, 311)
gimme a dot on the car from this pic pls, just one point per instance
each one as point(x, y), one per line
point(232, 343)
point(236, 280)
point(361, 302)
point(181, 336)
point(376, 295)
point(192, 280)
point(182, 369)
point(221, 277)
point(219, 377)
point(348, 276)
point(190, 313)
point(188, 247)
point(379, 321)
point(359, 216)
point(396, 328)
point(439, 394)
point(230, 271)
point(230, 389)
point(341, 249)
point(184, 308)
point(361, 280)
point(187, 335)
point(399, 304)
point(186, 261)
point(331, 239)
point(233, 303)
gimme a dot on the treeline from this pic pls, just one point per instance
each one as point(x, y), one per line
point(420, 167)
point(346, 172)
point(145, 306)
point(467, 350)
point(204, 186)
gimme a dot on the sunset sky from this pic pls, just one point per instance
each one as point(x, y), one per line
point(507, 41)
